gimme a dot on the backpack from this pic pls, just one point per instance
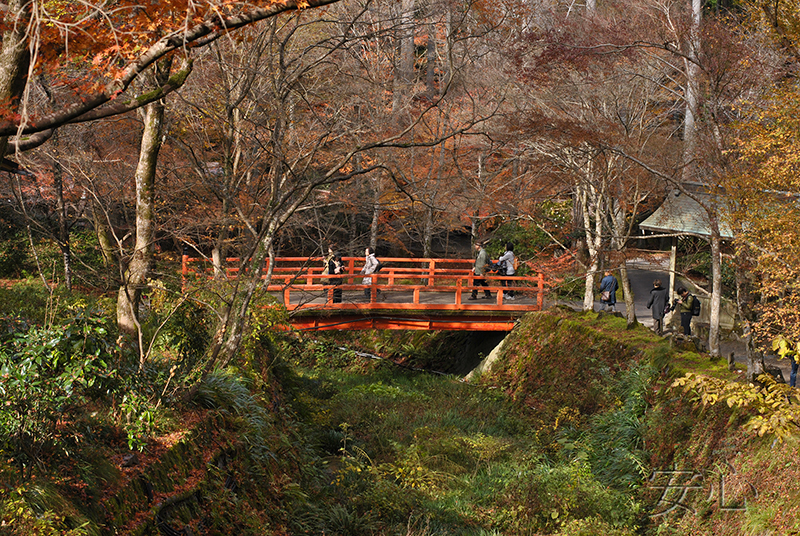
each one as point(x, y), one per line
point(695, 306)
point(379, 266)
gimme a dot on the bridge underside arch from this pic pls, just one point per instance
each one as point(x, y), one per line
point(356, 321)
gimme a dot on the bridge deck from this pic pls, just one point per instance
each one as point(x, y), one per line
point(405, 294)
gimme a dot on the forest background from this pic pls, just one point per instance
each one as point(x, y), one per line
point(134, 133)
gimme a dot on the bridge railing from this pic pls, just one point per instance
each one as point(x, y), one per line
point(427, 282)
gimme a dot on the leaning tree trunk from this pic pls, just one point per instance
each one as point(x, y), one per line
point(630, 307)
point(104, 235)
point(135, 277)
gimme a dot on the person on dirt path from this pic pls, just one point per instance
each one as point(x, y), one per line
point(658, 305)
point(685, 302)
point(608, 292)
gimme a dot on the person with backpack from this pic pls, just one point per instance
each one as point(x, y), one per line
point(687, 306)
point(507, 260)
point(659, 305)
point(371, 264)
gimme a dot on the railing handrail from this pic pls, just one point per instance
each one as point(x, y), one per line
point(300, 274)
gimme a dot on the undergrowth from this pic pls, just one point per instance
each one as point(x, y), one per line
point(445, 457)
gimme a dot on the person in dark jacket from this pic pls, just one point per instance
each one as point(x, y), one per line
point(685, 301)
point(658, 305)
point(335, 267)
point(608, 291)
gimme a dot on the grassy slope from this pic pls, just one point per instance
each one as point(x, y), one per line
point(571, 375)
point(553, 440)
point(744, 484)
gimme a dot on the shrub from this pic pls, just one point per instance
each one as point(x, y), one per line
point(13, 255)
point(45, 374)
point(571, 288)
point(187, 326)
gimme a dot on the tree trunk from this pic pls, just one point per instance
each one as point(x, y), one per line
point(219, 252)
point(430, 54)
point(14, 57)
point(593, 231)
point(376, 214)
point(716, 290)
point(627, 293)
point(104, 235)
point(581, 249)
point(427, 238)
point(691, 95)
point(404, 70)
point(744, 306)
point(63, 228)
point(135, 277)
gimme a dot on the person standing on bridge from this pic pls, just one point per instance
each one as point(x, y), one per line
point(370, 265)
point(507, 260)
point(326, 262)
point(334, 267)
point(657, 304)
point(479, 269)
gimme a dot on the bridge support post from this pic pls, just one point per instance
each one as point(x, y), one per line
point(184, 271)
point(540, 294)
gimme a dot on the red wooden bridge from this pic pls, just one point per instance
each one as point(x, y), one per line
point(408, 293)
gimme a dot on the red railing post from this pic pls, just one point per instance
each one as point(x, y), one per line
point(184, 271)
point(458, 291)
point(431, 271)
point(540, 295)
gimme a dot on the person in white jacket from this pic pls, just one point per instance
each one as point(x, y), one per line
point(370, 265)
point(507, 260)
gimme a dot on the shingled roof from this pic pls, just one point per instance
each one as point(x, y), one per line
point(682, 214)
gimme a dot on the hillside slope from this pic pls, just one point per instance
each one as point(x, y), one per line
point(707, 470)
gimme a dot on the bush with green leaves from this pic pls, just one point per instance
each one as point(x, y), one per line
point(45, 375)
point(182, 326)
point(34, 303)
point(13, 255)
point(529, 237)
